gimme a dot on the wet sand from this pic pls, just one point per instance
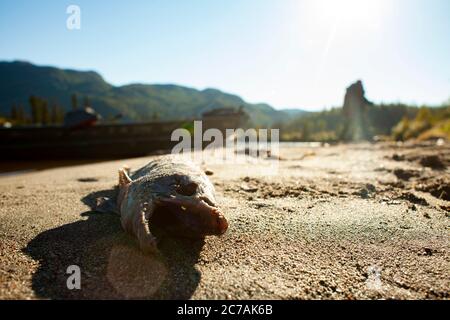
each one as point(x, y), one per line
point(342, 222)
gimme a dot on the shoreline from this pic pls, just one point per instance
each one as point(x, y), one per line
point(331, 220)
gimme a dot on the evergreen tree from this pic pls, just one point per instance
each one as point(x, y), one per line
point(45, 113)
point(36, 116)
point(74, 102)
point(57, 114)
point(306, 135)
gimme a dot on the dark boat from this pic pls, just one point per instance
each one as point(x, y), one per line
point(83, 137)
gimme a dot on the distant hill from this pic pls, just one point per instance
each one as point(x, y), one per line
point(19, 80)
point(294, 112)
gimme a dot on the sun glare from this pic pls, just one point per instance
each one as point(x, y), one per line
point(354, 13)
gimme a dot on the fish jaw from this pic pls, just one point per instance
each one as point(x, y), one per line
point(209, 216)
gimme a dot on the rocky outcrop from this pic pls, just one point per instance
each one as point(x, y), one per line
point(355, 107)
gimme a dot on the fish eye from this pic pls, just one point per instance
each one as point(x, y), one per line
point(188, 189)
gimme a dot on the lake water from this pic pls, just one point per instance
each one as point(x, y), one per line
point(8, 168)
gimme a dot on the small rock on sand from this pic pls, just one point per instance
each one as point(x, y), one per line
point(432, 161)
point(403, 174)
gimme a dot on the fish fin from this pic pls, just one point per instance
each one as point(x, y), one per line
point(124, 178)
point(105, 205)
point(126, 169)
point(136, 224)
point(147, 241)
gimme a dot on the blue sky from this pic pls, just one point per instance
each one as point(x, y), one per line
point(288, 53)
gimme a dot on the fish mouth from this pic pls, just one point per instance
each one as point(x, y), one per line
point(214, 222)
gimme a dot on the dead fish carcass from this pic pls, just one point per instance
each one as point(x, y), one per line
point(170, 193)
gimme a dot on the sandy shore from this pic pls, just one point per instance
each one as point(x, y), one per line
point(340, 222)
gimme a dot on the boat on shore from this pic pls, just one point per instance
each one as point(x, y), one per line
point(92, 139)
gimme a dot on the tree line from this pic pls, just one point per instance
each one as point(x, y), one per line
point(394, 121)
point(42, 112)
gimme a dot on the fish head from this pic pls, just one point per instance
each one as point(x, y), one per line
point(185, 206)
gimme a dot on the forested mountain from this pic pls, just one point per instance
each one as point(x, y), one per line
point(136, 102)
